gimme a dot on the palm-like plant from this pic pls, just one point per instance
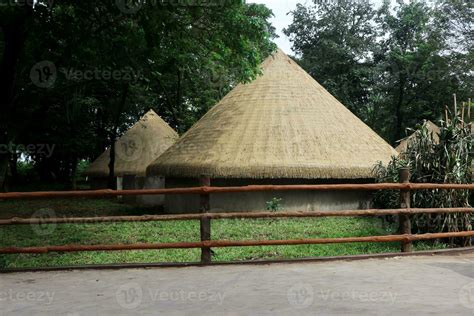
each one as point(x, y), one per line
point(432, 160)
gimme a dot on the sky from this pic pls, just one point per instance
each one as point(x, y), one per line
point(282, 19)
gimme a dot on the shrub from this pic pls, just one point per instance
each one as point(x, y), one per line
point(448, 160)
point(274, 204)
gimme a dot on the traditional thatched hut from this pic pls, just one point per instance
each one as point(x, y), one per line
point(432, 128)
point(143, 143)
point(282, 128)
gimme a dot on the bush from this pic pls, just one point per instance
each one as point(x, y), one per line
point(448, 160)
point(274, 204)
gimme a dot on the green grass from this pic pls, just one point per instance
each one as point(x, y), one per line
point(155, 232)
point(72, 207)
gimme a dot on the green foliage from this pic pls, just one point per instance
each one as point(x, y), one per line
point(176, 59)
point(392, 66)
point(334, 39)
point(447, 160)
point(176, 231)
point(25, 169)
point(274, 204)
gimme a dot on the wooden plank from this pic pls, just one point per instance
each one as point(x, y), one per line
point(249, 188)
point(227, 243)
point(205, 222)
point(404, 218)
point(143, 265)
point(231, 215)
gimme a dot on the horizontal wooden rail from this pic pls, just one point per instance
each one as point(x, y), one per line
point(205, 217)
point(226, 243)
point(231, 215)
point(249, 188)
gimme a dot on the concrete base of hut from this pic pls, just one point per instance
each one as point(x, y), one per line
point(257, 201)
point(103, 183)
point(139, 183)
point(98, 183)
point(134, 183)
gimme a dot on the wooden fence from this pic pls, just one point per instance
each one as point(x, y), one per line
point(205, 216)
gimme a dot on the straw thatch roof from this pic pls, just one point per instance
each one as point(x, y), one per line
point(137, 148)
point(432, 128)
point(282, 125)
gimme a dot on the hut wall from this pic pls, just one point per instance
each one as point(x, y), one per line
point(256, 201)
point(103, 183)
point(98, 183)
point(119, 183)
point(138, 183)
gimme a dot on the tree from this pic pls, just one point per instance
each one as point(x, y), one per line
point(177, 60)
point(14, 24)
point(394, 66)
point(416, 78)
point(333, 41)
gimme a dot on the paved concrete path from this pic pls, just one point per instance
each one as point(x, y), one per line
point(436, 285)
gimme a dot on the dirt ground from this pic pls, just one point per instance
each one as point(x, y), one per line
point(435, 285)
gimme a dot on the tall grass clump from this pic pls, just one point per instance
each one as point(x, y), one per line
point(443, 158)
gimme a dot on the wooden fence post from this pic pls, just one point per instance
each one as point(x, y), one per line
point(404, 219)
point(205, 221)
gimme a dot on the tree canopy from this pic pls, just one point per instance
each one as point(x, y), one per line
point(394, 65)
point(77, 74)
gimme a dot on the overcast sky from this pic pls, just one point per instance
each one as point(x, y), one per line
point(282, 19)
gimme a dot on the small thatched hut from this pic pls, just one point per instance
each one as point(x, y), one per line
point(143, 143)
point(432, 128)
point(282, 128)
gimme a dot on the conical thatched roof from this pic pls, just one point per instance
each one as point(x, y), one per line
point(432, 128)
point(282, 125)
point(137, 148)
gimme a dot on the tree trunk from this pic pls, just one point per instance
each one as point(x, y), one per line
point(14, 167)
point(3, 173)
point(399, 111)
point(74, 172)
point(14, 36)
point(112, 182)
